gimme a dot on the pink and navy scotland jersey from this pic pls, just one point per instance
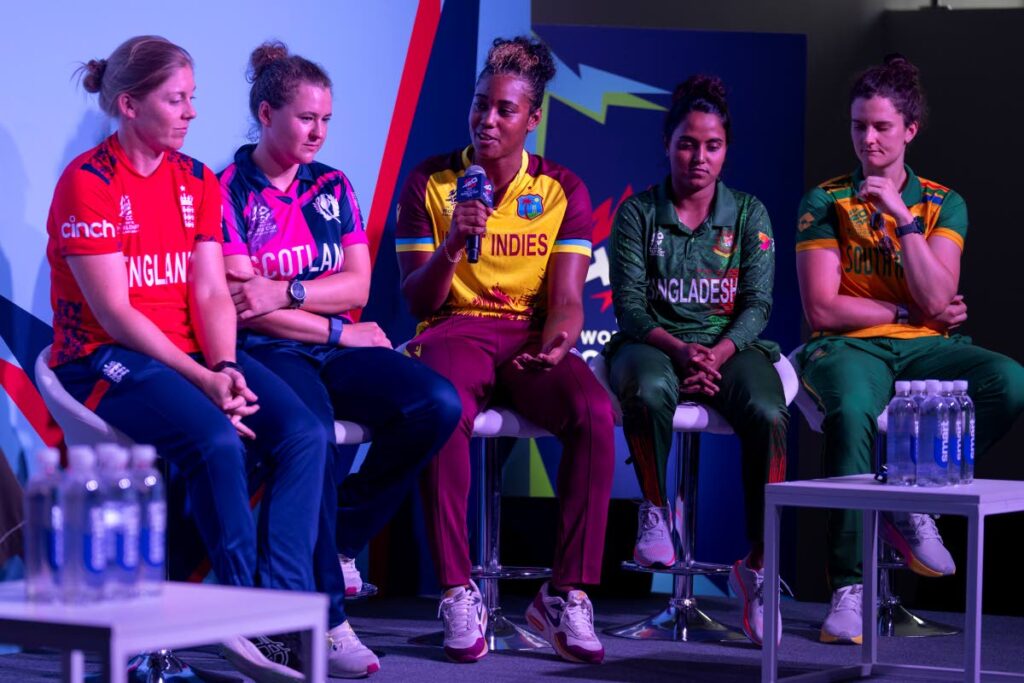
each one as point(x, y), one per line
point(301, 233)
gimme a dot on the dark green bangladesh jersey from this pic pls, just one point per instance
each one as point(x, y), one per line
point(701, 285)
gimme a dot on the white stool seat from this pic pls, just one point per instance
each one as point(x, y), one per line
point(696, 417)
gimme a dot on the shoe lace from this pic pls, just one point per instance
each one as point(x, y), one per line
point(579, 617)
point(651, 522)
point(923, 527)
point(460, 612)
point(848, 598)
point(346, 639)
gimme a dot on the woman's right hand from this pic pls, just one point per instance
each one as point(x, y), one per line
point(695, 365)
point(222, 388)
point(468, 218)
point(363, 335)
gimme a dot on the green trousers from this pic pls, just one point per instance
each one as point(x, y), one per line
point(852, 381)
point(750, 398)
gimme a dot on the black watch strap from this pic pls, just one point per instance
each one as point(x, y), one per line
point(914, 226)
point(224, 364)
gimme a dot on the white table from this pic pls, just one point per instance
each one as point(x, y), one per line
point(974, 501)
point(186, 614)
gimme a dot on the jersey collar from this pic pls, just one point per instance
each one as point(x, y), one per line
point(255, 176)
point(724, 211)
point(911, 192)
point(467, 162)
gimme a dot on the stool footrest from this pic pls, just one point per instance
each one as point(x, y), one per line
point(680, 568)
point(367, 591)
point(510, 572)
point(679, 622)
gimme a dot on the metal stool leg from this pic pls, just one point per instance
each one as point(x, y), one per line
point(501, 634)
point(893, 618)
point(682, 620)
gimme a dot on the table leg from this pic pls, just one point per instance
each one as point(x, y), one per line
point(314, 653)
point(972, 622)
point(769, 654)
point(869, 576)
point(115, 664)
point(72, 666)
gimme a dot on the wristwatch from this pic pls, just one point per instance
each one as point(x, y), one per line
point(914, 226)
point(297, 293)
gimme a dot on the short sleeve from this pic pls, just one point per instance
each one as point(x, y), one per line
point(952, 222)
point(414, 230)
point(233, 207)
point(816, 227)
point(210, 211)
point(353, 231)
point(577, 229)
point(85, 215)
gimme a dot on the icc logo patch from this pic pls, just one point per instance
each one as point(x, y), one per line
point(529, 206)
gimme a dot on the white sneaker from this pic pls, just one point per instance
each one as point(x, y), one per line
point(844, 621)
point(748, 585)
point(246, 657)
point(653, 537)
point(347, 657)
point(567, 624)
point(465, 620)
point(349, 571)
point(917, 539)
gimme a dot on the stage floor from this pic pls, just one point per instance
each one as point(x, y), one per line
point(387, 624)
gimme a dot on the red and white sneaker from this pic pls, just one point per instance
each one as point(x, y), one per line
point(748, 585)
point(465, 620)
point(567, 624)
point(917, 539)
point(349, 571)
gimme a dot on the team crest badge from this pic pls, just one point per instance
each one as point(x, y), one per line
point(529, 206)
point(326, 204)
point(726, 241)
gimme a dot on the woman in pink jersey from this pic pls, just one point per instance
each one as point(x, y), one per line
point(144, 330)
point(297, 263)
point(502, 329)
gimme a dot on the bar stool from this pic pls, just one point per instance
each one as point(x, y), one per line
point(893, 618)
point(354, 434)
point(683, 620)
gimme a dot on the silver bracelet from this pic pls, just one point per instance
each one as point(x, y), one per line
point(458, 254)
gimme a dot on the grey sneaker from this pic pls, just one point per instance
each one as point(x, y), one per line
point(917, 539)
point(844, 623)
point(653, 537)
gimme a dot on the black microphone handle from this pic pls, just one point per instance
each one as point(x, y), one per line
point(473, 248)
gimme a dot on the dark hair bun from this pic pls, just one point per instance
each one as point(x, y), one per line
point(265, 55)
point(702, 87)
point(92, 79)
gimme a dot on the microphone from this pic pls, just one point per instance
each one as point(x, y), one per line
point(474, 185)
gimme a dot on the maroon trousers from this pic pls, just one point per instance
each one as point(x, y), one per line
point(475, 355)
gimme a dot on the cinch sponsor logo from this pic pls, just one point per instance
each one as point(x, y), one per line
point(531, 244)
point(704, 290)
point(299, 259)
point(74, 229)
point(153, 270)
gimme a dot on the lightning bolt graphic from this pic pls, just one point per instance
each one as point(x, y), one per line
point(591, 92)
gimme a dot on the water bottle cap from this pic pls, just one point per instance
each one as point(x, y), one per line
point(902, 387)
point(143, 456)
point(48, 458)
point(947, 387)
point(917, 386)
point(960, 386)
point(933, 386)
point(111, 456)
point(81, 458)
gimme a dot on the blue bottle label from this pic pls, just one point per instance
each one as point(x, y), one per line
point(940, 449)
point(94, 551)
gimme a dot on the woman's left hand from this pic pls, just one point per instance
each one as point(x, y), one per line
point(255, 295)
point(551, 354)
point(883, 193)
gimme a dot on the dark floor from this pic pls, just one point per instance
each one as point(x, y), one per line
point(387, 624)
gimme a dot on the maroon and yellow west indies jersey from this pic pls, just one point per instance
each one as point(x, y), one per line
point(833, 217)
point(545, 210)
point(103, 206)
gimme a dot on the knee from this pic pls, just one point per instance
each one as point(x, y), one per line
point(1008, 378)
point(770, 414)
point(307, 434)
point(593, 414)
point(220, 450)
point(850, 411)
point(651, 393)
point(445, 405)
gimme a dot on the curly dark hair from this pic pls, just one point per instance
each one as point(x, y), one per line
point(524, 57)
point(899, 81)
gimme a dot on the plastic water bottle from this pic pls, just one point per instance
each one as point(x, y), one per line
point(901, 438)
point(44, 530)
point(85, 552)
point(967, 431)
point(918, 392)
point(153, 530)
point(933, 450)
point(955, 434)
point(121, 515)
